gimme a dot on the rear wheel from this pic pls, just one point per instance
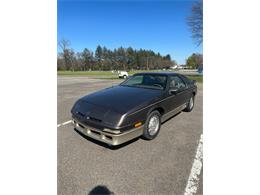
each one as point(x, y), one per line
point(152, 125)
point(190, 104)
point(124, 76)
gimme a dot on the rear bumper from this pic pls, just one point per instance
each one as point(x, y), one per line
point(106, 137)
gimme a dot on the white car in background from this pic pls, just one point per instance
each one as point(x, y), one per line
point(123, 74)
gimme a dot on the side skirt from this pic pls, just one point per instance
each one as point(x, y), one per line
point(173, 112)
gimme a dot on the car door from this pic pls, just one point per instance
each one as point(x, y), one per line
point(180, 97)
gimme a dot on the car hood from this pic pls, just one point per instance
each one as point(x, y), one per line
point(123, 99)
point(108, 106)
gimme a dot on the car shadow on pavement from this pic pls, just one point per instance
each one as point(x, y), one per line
point(104, 144)
point(100, 190)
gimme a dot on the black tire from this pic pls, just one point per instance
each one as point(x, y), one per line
point(146, 134)
point(190, 105)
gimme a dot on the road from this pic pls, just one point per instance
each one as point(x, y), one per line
point(161, 166)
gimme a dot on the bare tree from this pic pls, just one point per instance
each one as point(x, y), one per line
point(195, 21)
point(68, 54)
point(87, 57)
point(64, 44)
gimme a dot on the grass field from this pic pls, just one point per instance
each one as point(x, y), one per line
point(196, 78)
point(110, 75)
point(96, 73)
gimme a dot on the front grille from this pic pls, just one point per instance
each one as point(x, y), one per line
point(80, 114)
point(95, 119)
point(83, 116)
point(91, 122)
point(81, 126)
point(95, 132)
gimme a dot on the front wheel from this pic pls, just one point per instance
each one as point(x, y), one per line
point(190, 104)
point(152, 125)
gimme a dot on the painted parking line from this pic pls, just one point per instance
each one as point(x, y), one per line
point(193, 181)
point(65, 123)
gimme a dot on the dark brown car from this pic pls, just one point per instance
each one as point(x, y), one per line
point(136, 107)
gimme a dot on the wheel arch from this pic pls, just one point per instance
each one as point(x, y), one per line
point(159, 109)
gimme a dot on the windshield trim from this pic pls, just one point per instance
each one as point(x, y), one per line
point(143, 87)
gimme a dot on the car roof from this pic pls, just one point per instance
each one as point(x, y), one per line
point(158, 73)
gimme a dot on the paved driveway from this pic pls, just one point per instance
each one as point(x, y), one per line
point(160, 166)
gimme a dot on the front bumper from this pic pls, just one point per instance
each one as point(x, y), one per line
point(106, 137)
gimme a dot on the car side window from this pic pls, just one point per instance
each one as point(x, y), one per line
point(176, 82)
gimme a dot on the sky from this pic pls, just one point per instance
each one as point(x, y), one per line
point(157, 25)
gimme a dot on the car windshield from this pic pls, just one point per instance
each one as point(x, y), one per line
point(151, 81)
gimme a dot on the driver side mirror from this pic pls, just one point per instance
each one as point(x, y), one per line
point(173, 90)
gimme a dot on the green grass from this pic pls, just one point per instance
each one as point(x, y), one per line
point(110, 75)
point(86, 73)
point(198, 78)
point(97, 73)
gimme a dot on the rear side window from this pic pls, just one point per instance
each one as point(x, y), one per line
point(187, 80)
point(176, 82)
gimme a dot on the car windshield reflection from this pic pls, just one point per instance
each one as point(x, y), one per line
point(150, 81)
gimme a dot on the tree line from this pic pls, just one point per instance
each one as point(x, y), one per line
point(195, 61)
point(106, 59)
point(129, 58)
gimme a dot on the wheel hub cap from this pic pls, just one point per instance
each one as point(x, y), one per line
point(153, 125)
point(191, 103)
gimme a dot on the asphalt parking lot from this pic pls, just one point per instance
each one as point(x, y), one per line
point(160, 166)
